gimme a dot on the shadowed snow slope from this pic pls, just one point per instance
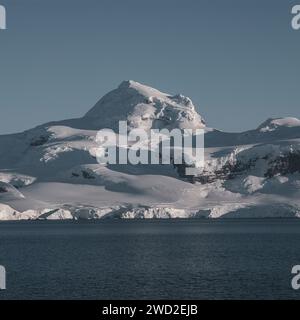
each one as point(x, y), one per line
point(51, 172)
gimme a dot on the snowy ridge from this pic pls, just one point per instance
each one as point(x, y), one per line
point(51, 172)
point(273, 124)
point(143, 107)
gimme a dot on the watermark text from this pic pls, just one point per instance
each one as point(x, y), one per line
point(2, 18)
point(2, 278)
point(154, 146)
point(296, 18)
point(296, 279)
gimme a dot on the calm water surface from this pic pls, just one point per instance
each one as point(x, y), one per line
point(172, 259)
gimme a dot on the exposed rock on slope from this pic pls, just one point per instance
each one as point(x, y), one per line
point(51, 172)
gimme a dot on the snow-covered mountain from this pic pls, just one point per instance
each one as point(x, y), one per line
point(51, 172)
point(142, 107)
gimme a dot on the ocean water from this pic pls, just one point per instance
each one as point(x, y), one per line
point(169, 259)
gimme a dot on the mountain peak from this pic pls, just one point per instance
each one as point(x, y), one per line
point(143, 107)
point(129, 84)
point(272, 124)
point(141, 89)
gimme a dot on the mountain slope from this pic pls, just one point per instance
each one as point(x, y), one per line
point(51, 172)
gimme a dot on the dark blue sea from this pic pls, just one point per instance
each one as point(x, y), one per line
point(156, 259)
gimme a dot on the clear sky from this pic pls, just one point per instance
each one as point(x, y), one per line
point(238, 60)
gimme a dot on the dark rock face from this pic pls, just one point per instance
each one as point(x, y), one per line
point(229, 171)
point(3, 190)
point(76, 175)
point(39, 141)
point(85, 174)
point(286, 164)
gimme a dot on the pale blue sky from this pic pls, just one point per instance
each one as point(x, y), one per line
point(237, 59)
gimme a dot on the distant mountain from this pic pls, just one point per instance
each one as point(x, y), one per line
point(51, 172)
